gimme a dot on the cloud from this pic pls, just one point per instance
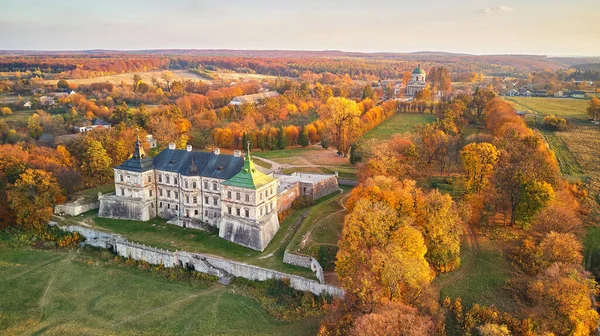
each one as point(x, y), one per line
point(494, 10)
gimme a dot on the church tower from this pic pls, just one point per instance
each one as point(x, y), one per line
point(417, 82)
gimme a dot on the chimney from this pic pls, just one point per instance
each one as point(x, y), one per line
point(237, 153)
point(189, 148)
point(217, 151)
point(171, 145)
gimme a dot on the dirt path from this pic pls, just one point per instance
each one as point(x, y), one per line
point(467, 264)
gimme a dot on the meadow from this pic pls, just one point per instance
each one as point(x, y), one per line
point(73, 293)
point(562, 107)
point(398, 123)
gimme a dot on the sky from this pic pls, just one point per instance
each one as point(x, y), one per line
point(542, 27)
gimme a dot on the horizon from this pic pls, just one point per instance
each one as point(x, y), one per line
point(474, 27)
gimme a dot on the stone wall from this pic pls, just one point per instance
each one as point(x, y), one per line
point(301, 260)
point(200, 262)
point(287, 197)
point(324, 187)
point(347, 182)
point(113, 206)
point(75, 208)
point(248, 232)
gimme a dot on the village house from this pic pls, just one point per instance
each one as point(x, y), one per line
point(87, 126)
point(46, 100)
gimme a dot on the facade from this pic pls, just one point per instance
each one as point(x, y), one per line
point(313, 186)
point(417, 82)
point(223, 191)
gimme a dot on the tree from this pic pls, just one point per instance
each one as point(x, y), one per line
point(95, 163)
point(491, 329)
point(341, 117)
point(5, 111)
point(167, 76)
point(32, 198)
point(441, 79)
point(533, 196)
point(62, 84)
point(594, 109)
point(561, 247)
point(34, 125)
point(281, 138)
point(481, 98)
point(479, 161)
point(440, 224)
point(393, 319)
point(368, 92)
point(303, 140)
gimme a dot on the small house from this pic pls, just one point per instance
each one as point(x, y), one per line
point(46, 100)
point(27, 104)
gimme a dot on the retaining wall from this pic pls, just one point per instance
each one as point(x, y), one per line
point(301, 260)
point(203, 263)
point(75, 208)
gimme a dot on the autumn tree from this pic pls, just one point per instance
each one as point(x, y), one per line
point(5, 111)
point(368, 92)
point(478, 161)
point(480, 99)
point(341, 117)
point(441, 79)
point(32, 198)
point(440, 224)
point(593, 109)
point(393, 319)
point(167, 76)
point(34, 125)
point(95, 163)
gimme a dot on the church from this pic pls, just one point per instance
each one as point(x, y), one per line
point(194, 189)
point(191, 187)
point(417, 82)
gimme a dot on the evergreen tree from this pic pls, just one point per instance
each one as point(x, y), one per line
point(303, 140)
point(281, 138)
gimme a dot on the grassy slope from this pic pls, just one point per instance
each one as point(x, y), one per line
point(398, 123)
point(95, 299)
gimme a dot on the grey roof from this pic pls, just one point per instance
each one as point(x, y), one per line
point(138, 162)
point(205, 164)
point(100, 122)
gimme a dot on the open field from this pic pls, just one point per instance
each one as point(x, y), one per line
point(60, 293)
point(563, 107)
point(480, 279)
point(177, 75)
point(398, 123)
point(18, 118)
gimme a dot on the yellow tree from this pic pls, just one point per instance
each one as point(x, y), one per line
point(594, 109)
point(479, 161)
point(342, 118)
point(32, 198)
point(95, 163)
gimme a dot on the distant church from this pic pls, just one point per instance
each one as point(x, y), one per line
point(194, 189)
point(417, 82)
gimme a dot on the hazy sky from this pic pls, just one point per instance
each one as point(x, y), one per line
point(549, 27)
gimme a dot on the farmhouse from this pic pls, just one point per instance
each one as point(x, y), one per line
point(46, 100)
point(88, 126)
point(194, 188)
point(253, 98)
point(417, 82)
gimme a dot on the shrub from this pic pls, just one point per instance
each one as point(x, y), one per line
point(555, 123)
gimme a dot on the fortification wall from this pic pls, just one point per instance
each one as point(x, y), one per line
point(112, 206)
point(301, 260)
point(287, 197)
point(201, 262)
point(75, 208)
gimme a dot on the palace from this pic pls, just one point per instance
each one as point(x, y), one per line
point(417, 82)
point(194, 189)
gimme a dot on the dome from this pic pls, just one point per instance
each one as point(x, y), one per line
point(418, 71)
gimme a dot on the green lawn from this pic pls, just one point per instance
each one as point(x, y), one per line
point(285, 153)
point(398, 123)
point(262, 163)
point(60, 293)
point(591, 244)
point(482, 281)
point(157, 233)
point(563, 107)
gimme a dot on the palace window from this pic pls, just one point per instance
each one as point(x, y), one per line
point(187, 199)
point(206, 200)
point(261, 211)
point(205, 213)
point(247, 213)
point(168, 205)
point(168, 178)
point(150, 193)
point(121, 178)
point(196, 212)
point(169, 193)
point(176, 195)
point(215, 200)
point(261, 196)
point(228, 194)
point(237, 196)
point(186, 183)
point(194, 185)
point(160, 192)
point(159, 178)
point(122, 192)
point(160, 204)
point(215, 187)
point(195, 199)
point(229, 210)
point(206, 185)
point(149, 178)
point(175, 180)
point(237, 211)
point(247, 197)
point(176, 207)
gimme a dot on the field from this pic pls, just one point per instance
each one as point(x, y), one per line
point(398, 123)
point(310, 159)
point(563, 107)
point(177, 75)
point(59, 293)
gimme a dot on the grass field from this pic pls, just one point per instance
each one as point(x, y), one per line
point(59, 293)
point(563, 107)
point(398, 123)
point(482, 281)
point(591, 244)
